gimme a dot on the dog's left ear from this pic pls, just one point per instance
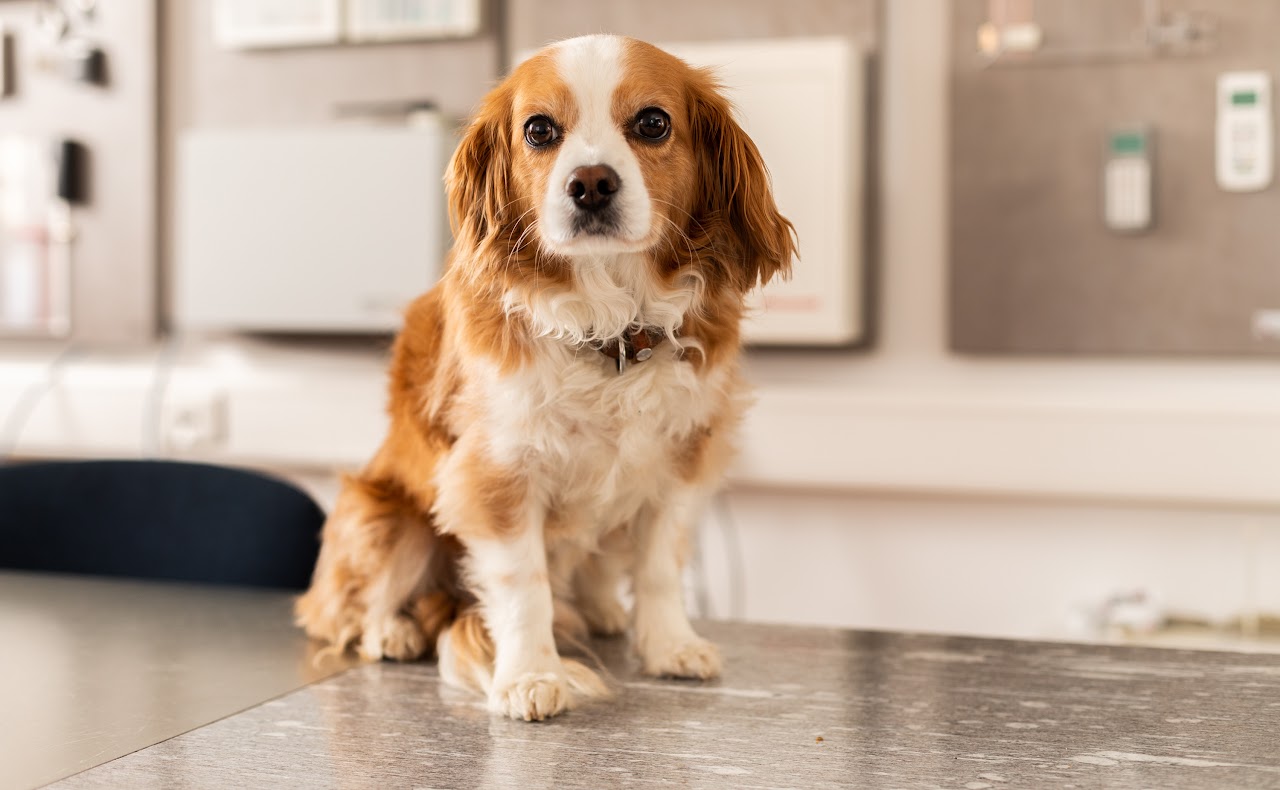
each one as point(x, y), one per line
point(737, 188)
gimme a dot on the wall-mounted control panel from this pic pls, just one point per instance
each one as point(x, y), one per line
point(1126, 180)
point(1245, 161)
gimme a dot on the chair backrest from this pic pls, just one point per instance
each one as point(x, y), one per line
point(158, 520)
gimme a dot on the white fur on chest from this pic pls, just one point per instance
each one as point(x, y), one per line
point(592, 439)
point(610, 294)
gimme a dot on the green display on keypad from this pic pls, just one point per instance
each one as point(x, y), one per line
point(1128, 143)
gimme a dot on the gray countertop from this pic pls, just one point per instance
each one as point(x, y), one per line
point(93, 668)
point(798, 707)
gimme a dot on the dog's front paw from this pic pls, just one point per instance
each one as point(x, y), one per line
point(533, 696)
point(696, 658)
point(398, 638)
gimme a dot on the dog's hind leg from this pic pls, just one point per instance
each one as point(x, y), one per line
point(373, 565)
point(596, 583)
point(389, 629)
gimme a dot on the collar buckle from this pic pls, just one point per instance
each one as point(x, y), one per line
point(634, 345)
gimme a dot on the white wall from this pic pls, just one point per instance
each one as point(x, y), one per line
point(1001, 568)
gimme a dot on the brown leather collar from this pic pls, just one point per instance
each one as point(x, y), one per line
point(635, 345)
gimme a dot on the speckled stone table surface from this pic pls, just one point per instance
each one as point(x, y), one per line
point(798, 707)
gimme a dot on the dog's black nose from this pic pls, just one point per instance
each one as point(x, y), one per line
point(593, 187)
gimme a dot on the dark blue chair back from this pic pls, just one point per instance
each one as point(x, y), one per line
point(158, 520)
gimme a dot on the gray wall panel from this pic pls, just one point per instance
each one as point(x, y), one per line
point(1033, 267)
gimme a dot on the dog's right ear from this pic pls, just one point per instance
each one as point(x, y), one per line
point(479, 175)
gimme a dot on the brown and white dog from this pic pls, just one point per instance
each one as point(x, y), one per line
point(563, 402)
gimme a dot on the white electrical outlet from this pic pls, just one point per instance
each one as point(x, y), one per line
point(193, 418)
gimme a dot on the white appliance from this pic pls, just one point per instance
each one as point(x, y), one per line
point(803, 101)
point(245, 24)
point(402, 20)
point(252, 24)
point(329, 229)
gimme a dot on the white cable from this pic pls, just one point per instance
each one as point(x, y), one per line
point(152, 411)
point(20, 414)
point(698, 573)
point(733, 552)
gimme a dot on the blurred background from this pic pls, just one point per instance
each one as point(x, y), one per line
point(1025, 381)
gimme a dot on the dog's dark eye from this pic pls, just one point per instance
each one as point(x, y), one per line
point(540, 131)
point(653, 124)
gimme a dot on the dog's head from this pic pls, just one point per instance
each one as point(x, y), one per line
point(602, 145)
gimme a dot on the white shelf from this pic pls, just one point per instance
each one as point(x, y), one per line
point(321, 409)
